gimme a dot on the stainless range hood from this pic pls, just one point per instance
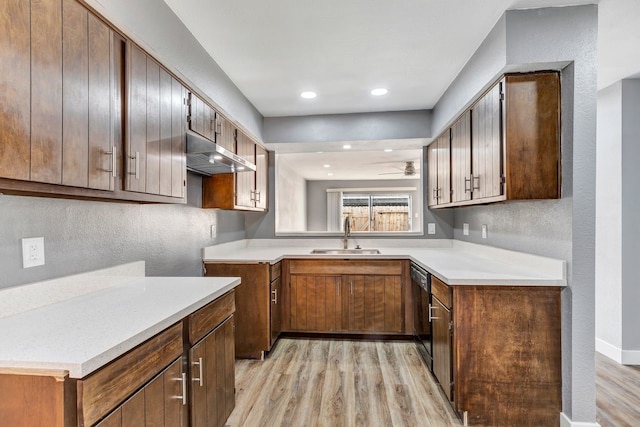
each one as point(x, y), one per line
point(208, 158)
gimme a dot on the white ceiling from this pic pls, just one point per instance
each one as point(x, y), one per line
point(273, 50)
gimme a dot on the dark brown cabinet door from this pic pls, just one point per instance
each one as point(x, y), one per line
point(461, 179)
point(276, 309)
point(158, 404)
point(155, 155)
point(486, 134)
point(375, 303)
point(442, 346)
point(201, 117)
point(315, 303)
point(47, 88)
point(262, 165)
point(213, 377)
point(15, 106)
point(225, 133)
point(439, 165)
point(245, 181)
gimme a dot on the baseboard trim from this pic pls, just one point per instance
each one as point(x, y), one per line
point(566, 422)
point(624, 357)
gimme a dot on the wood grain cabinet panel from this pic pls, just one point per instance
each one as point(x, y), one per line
point(155, 154)
point(442, 346)
point(253, 306)
point(15, 105)
point(507, 347)
point(213, 377)
point(511, 137)
point(241, 190)
point(375, 304)
point(315, 303)
point(159, 403)
point(461, 179)
point(439, 170)
point(47, 84)
point(330, 296)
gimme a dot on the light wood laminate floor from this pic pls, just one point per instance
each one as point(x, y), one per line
point(322, 382)
point(617, 393)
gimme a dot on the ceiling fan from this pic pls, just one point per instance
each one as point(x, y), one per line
point(408, 170)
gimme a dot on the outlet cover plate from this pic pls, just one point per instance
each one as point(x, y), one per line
point(484, 231)
point(465, 229)
point(431, 228)
point(32, 252)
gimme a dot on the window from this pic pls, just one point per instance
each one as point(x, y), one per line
point(377, 212)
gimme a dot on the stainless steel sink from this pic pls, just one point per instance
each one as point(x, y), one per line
point(345, 252)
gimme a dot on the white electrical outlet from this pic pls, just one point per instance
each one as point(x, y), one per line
point(431, 228)
point(465, 229)
point(213, 231)
point(484, 231)
point(32, 252)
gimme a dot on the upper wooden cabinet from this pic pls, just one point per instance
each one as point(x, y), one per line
point(205, 121)
point(241, 190)
point(461, 179)
point(507, 145)
point(155, 154)
point(439, 166)
point(59, 71)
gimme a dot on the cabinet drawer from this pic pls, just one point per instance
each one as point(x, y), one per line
point(106, 388)
point(441, 291)
point(333, 267)
point(208, 317)
point(275, 271)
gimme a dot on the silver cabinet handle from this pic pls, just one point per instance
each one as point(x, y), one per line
point(218, 126)
point(136, 159)
point(475, 186)
point(430, 313)
point(257, 195)
point(184, 389)
point(199, 363)
point(351, 286)
point(338, 287)
point(212, 125)
point(470, 188)
point(275, 296)
point(114, 161)
point(434, 193)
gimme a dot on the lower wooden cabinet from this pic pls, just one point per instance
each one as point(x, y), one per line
point(186, 369)
point(159, 403)
point(315, 303)
point(347, 296)
point(276, 302)
point(213, 377)
point(506, 347)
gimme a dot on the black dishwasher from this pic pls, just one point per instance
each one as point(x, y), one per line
point(421, 284)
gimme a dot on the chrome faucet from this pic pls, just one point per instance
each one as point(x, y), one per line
point(347, 233)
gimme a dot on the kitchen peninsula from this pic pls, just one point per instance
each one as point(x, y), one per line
point(113, 347)
point(498, 357)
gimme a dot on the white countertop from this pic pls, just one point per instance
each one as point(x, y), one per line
point(452, 261)
point(86, 330)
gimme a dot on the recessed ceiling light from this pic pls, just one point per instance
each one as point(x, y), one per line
point(346, 146)
point(308, 94)
point(330, 174)
point(388, 150)
point(327, 166)
point(379, 91)
point(319, 152)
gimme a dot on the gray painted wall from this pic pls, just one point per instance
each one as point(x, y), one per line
point(630, 215)
point(317, 198)
point(348, 127)
point(564, 228)
point(609, 217)
point(153, 25)
point(84, 235)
